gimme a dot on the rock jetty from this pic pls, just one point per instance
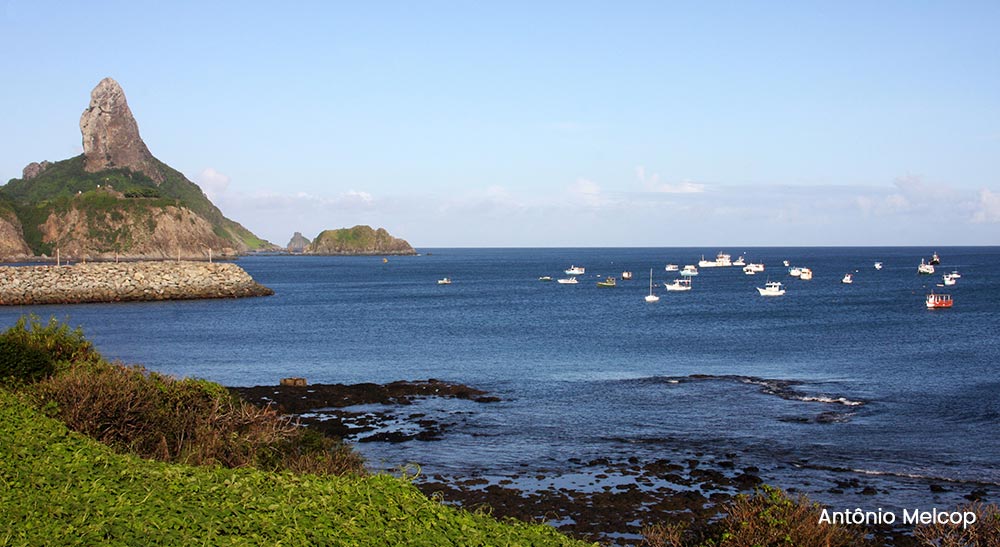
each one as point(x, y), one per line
point(125, 281)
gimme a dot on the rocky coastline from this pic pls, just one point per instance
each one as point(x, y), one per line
point(125, 282)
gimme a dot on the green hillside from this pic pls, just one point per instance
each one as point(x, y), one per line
point(65, 185)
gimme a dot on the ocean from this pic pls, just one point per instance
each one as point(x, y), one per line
point(827, 384)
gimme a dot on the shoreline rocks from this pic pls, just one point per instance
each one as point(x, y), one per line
point(125, 282)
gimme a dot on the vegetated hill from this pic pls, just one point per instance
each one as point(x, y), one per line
point(359, 240)
point(114, 199)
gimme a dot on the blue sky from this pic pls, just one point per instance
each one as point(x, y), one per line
point(541, 124)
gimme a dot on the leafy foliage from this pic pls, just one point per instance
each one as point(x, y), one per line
point(31, 350)
point(63, 489)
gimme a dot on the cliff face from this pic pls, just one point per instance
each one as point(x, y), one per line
point(359, 240)
point(12, 244)
point(136, 232)
point(116, 198)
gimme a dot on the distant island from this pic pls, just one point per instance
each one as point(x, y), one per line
point(115, 200)
point(359, 240)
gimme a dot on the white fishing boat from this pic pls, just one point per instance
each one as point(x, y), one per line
point(722, 260)
point(772, 288)
point(651, 297)
point(444, 281)
point(679, 285)
point(785, 263)
point(626, 276)
point(567, 281)
point(955, 274)
point(689, 271)
point(950, 280)
point(924, 268)
point(805, 274)
point(878, 265)
point(545, 278)
point(741, 261)
point(755, 267)
point(576, 270)
point(748, 270)
point(848, 279)
point(795, 271)
point(671, 267)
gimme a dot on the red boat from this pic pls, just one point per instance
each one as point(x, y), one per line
point(935, 301)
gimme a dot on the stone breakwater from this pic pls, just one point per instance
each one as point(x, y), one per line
point(123, 282)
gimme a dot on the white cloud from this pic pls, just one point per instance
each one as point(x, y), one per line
point(652, 183)
point(988, 207)
point(213, 183)
point(587, 192)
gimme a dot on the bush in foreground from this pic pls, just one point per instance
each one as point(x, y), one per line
point(769, 518)
point(61, 488)
point(985, 532)
point(157, 416)
point(31, 350)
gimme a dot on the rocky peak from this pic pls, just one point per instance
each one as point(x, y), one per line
point(111, 136)
point(298, 243)
point(34, 169)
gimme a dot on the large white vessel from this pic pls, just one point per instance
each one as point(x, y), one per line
point(721, 260)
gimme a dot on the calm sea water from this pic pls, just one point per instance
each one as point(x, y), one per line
point(829, 382)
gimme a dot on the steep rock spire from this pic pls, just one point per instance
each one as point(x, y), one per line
point(111, 136)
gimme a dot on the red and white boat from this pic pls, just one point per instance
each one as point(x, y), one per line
point(935, 301)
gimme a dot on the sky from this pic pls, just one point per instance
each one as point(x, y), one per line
point(540, 124)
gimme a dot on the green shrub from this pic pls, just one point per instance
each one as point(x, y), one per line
point(189, 421)
point(20, 363)
point(31, 350)
point(769, 518)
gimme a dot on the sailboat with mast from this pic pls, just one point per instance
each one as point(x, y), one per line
point(651, 297)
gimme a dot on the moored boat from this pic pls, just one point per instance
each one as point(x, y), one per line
point(626, 276)
point(771, 288)
point(753, 268)
point(671, 267)
point(607, 283)
point(545, 278)
point(937, 301)
point(689, 270)
point(848, 279)
point(935, 259)
point(741, 261)
point(679, 285)
point(805, 274)
point(878, 265)
point(949, 279)
point(567, 281)
point(925, 268)
point(651, 297)
point(444, 281)
point(576, 270)
point(795, 271)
